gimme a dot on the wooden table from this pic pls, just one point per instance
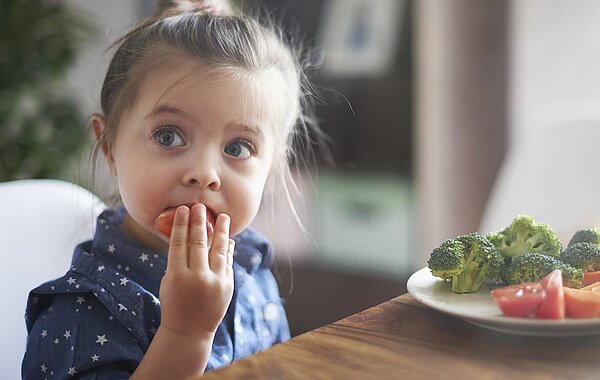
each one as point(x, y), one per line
point(402, 339)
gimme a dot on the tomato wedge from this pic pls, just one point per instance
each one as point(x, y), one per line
point(582, 303)
point(591, 277)
point(553, 305)
point(520, 300)
point(164, 222)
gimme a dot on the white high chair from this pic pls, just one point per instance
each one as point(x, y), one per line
point(41, 222)
point(551, 174)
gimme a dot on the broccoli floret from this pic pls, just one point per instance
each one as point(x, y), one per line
point(533, 266)
point(466, 261)
point(584, 256)
point(590, 235)
point(526, 235)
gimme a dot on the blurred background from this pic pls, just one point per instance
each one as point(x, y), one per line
point(437, 111)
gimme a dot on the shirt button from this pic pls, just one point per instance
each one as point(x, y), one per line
point(256, 259)
point(270, 312)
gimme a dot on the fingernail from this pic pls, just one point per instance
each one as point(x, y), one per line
point(225, 220)
point(183, 210)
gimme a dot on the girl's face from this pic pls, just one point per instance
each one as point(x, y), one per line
point(191, 138)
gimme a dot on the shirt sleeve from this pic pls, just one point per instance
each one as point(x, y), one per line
point(76, 336)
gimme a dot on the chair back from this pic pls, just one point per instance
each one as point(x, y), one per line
point(41, 222)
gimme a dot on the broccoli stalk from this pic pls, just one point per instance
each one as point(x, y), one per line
point(474, 273)
point(467, 261)
point(524, 235)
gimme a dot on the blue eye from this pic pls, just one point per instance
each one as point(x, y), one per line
point(168, 136)
point(239, 149)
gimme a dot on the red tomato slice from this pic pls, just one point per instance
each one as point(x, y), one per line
point(553, 305)
point(164, 222)
point(520, 300)
point(591, 277)
point(581, 303)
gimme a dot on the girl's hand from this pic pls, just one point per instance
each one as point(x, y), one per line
point(198, 285)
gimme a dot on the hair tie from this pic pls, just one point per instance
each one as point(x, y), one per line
point(214, 7)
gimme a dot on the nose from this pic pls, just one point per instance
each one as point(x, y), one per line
point(204, 173)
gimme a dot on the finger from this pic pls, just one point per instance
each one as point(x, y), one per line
point(198, 251)
point(220, 245)
point(230, 252)
point(177, 257)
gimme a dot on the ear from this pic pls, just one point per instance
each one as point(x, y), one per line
point(98, 123)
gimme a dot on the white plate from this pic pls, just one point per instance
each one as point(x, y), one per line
point(479, 309)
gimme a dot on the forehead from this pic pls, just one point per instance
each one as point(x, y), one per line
point(188, 84)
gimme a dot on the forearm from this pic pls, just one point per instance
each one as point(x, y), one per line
point(175, 356)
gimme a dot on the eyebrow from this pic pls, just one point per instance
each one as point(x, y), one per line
point(167, 109)
point(255, 132)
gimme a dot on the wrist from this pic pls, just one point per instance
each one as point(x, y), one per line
point(198, 335)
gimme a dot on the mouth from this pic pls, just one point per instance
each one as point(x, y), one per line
point(164, 222)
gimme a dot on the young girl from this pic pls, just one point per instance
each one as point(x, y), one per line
point(200, 107)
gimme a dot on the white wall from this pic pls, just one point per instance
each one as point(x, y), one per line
point(111, 18)
point(554, 64)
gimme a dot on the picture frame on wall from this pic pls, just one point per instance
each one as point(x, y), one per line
point(359, 37)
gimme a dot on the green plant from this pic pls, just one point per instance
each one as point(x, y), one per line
point(41, 125)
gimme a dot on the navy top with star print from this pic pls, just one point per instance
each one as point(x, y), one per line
point(98, 320)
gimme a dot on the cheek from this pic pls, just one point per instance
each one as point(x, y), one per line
point(246, 201)
point(141, 193)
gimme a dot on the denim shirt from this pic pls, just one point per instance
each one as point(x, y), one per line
point(98, 320)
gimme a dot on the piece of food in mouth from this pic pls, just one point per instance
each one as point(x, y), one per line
point(164, 223)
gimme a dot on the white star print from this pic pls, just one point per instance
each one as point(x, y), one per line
point(56, 341)
point(144, 257)
point(111, 317)
point(44, 368)
point(44, 333)
point(124, 281)
point(101, 339)
point(80, 300)
point(71, 280)
point(122, 307)
point(95, 358)
point(67, 334)
point(77, 286)
point(111, 248)
point(72, 371)
point(156, 301)
point(101, 268)
point(35, 299)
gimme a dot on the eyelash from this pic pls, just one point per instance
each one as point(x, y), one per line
point(170, 128)
point(247, 144)
point(167, 128)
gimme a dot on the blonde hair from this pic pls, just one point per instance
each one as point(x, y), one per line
point(213, 33)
